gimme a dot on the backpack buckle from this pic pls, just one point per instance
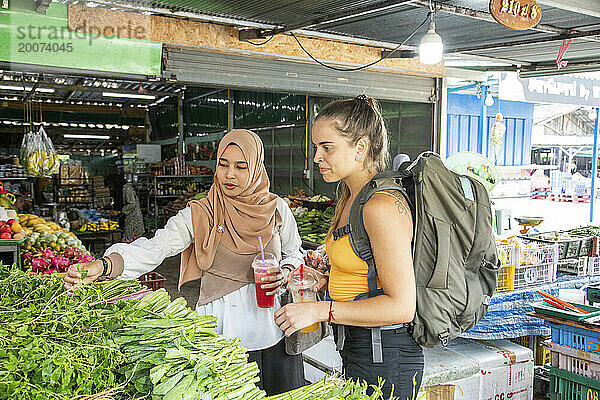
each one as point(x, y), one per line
point(487, 300)
point(444, 337)
point(344, 230)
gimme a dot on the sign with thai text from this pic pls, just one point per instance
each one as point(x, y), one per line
point(516, 14)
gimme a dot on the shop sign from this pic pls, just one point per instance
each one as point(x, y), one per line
point(560, 89)
point(516, 14)
point(27, 37)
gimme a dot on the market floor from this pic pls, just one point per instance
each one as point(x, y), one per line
point(170, 270)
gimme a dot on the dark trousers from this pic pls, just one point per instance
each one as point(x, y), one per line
point(279, 372)
point(402, 364)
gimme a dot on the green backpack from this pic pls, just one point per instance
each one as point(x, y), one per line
point(454, 252)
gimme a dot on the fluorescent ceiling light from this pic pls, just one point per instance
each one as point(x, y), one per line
point(101, 137)
point(129, 95)
point(28, 88)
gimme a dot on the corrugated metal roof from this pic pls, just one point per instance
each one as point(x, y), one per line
point(399, 18)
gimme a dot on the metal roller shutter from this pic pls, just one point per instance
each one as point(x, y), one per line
point(205, 68)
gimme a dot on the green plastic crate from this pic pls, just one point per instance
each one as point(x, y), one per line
point(565, 385)
point(548, 309)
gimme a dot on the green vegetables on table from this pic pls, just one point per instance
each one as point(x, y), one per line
point(95, 343)
point(54, 346)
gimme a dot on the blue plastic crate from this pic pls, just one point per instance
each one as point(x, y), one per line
point(572, 336)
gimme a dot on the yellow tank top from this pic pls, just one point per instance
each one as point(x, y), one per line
point(348, 274)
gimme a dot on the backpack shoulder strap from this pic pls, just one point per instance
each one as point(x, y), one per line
point(359, 240)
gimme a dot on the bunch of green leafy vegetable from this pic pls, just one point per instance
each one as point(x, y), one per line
point(54, 345)
point(173, 353)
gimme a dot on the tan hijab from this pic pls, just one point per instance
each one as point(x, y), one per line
point(236, 222)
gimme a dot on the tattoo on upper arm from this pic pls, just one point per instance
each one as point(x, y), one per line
point(402, 207)
point(400, 202)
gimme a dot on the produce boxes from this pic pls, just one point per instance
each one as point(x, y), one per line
point(573, 336)
point(574, 266)
point(542, 354)
point(570, 245)
point(575, 361)
point(593, 266)
point(565, 385)
point(536, 264)
point(506, 276)
point(153, 280)
point(547, 309)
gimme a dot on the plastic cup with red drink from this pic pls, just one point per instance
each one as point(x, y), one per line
point(268, 267)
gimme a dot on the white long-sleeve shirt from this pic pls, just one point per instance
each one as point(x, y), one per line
point(237, 313)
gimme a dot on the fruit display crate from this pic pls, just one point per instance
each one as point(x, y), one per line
point(574, 266)
point(544, 308)
point(565, 385)
point(10, 242)
point(575, 246)
point(542, 354)
point(576, 337)
point(593, 266)
point(153, 280)
point(506, 275)
point(536, 264)
point(576, 361)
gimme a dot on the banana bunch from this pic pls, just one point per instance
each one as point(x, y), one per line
point(100, 226)
point(497, 133)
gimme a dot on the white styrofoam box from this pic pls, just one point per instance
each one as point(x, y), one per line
point(506, 370)
point(464, 370)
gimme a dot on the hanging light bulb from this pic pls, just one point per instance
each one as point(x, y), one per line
point(489, 100)
point(431, 47)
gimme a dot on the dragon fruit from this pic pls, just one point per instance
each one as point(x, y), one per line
point(49, 254)
point(39, 264)
point(27, 255)
point(60, 263)
point(85, 258)
point(72, 252)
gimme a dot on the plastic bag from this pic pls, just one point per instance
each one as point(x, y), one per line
point(317, 259)
point(41, 158)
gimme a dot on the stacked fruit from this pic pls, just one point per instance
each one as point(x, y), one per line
point(32, 223)
point(55, 241)
point(99, 226)
point(11, 229)
point(47, 261)
point(314, 224)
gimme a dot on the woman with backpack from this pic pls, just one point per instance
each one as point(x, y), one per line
point(371, 333)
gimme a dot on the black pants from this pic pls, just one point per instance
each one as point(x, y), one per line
point(402, 364)
point(279, 372)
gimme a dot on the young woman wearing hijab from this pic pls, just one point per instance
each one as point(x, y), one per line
point(351, 147)
point(218, 239)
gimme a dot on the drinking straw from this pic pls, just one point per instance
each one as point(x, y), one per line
point(262, 252)
point(301, 280)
